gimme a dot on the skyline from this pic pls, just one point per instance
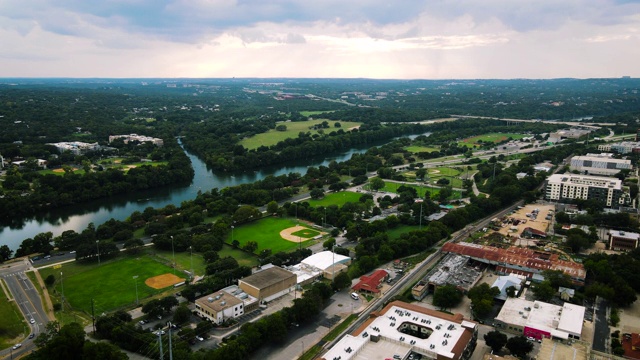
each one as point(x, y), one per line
point(329, 39)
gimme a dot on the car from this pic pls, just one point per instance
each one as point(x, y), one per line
point(33, 321)
point(16, 346)
point(141, 322)
point(389, 281)
point(199, 338)
point(355, 296)
point(397, 357)
point(72, 252)
point(32, 335)
point(160, 332)
point(530, 338)
point(159, 317)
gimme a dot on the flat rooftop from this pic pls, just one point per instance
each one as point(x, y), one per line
point(542, 316)
point(454, 270)
point(265, 278)
point(400, 328)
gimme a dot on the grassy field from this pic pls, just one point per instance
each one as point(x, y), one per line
point(266, 232)
point(312, 113)
point(243, 258)
point(397, 231)
point(12, 324)
point(273, 136)
point(306, 233)
point(418, 149)
point(110, 284)
point(340, 198)
point(490, 138)
point(183, 259)
point(433, 191)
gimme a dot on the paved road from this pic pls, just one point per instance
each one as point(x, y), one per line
point(601, 328)
point(29, 303)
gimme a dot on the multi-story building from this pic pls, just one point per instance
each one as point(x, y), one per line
point(623, 240)
point(599, 164)
point(136, 137)
point(403, 331)
point(625, 147)
point(75, 147)
point(607, 191)
point(219, 307)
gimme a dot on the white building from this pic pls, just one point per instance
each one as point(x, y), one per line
point(538, 319)
point(606, 190)
point(599, 164)
point(401, 329)
point(219, 307)
point(504, 282)
point(136, 137)
point(75, 147)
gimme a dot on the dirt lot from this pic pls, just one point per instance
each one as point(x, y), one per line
point(539, 223)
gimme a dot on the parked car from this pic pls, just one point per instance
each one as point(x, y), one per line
point(32, 335)
point(33, 321)
point(199, 338)
point(16, 346)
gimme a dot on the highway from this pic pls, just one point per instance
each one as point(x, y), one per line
point(28, 300)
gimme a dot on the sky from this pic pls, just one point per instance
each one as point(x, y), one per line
point(387, 39)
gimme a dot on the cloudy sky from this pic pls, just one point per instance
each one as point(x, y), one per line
point(403, 39)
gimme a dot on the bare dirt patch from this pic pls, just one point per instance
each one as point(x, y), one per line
point(162, 281)
point(287, 234)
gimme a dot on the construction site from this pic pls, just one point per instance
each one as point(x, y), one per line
point(459, 271)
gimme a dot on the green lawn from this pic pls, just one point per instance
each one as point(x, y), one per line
point(243, 258)
point(183, 259)
point(340, 198)
point(399, 230)
point(490, 138)
point(273, 136)
point(433, 191)
point(312, 113)
point(266, 232)
point(418, 149)
point(110, 284)
point(306, 233)
point(12, 324)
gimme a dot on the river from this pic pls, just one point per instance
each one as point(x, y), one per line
point(120, 207)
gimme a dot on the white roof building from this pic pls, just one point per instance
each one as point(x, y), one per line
point(539, 319)
point(325, 259)
point(504, 282)
point(402, 328)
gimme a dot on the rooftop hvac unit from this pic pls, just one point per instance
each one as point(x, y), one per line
point(210, 299)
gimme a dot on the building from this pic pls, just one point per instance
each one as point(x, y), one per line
point(539, 320)
point(371, 283)
point(599, 164)
point(328, 263)
point(138, 138)
point(566, 294)
point(518, 260)
point(607, 191)
point(401, 329)
point(505, 282)
point(219, 307)
point(624, 147)
point(623, 240)
point(569, 134)
point(530, 233)
point(268, 284)
point(76, 147)
point(454, 270)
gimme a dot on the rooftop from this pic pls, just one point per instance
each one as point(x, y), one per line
point(400, 328)
point(265, 278)
point(521, 257)
point(454, 270)
point(218, 301)
point(325, 259)
point(624, 234)
point(371, 282)
point(542, 316)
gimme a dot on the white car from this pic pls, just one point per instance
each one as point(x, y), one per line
point(16, 346)
point(33, 321)
point(199, 338)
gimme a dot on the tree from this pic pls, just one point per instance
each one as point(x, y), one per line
point(543, 291)
point(519, 346)
point(342, 281)
point(50, 280)
point(168, 302)
point(133, 245)
point(511, 291)
point(182, 314)
point(272, 207)
point(246, 213)
point(495, 340)
point(376, 183)
point(210, 256)
point(5, 253)
point(329, 244)
point(316, 193)
point(447, 296)
point(250, 246)
point(482, 298)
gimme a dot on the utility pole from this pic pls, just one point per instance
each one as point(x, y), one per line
point(135, 280)
point(93, 317)
point(160, 342)
point(170, 349)
point(193, 275)
point(174, 256)
point(98, 247)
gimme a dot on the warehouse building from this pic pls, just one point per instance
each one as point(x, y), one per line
point(453, 269)
point(402, 331)
point(599, 164)
point(518, 260)
point(268, 284)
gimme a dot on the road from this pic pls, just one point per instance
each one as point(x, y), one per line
point(29, 302)
point(601, 329)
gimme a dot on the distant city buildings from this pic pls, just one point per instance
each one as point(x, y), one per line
point(605, 190)
point(75, 147)
point(138, 138)
point(624, 147)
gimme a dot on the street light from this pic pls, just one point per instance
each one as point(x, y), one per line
point(98, 247)
point(193, 275)
point(62, 288)
point(174, 256)
point(135, 281)
point(232, 227)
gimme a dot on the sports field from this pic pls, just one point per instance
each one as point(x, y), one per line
point(421, 190)
point(340, 198)
point(266, 232)
point(110, 284)
point(273, 136)
point(490, 138)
